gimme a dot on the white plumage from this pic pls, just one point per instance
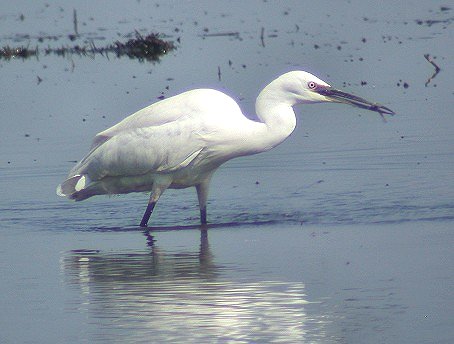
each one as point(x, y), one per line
point(180, 141)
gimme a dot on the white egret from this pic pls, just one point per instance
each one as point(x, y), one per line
point(181, 141)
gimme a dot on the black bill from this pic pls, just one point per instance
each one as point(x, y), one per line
point(343, 97)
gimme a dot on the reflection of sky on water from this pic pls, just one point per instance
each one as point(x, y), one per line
point(184, 296)
point(341, 167)
point(336, 168)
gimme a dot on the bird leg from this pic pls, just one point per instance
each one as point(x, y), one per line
point(156, 192)
point(202, 194)
point(147, 214)
point(203, 215)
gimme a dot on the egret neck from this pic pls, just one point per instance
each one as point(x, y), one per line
point(277, 118)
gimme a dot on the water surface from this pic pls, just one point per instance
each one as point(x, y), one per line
point(341, 234)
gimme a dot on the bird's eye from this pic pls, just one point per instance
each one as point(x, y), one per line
point(311, 85)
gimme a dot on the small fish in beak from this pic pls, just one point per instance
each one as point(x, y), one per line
point(347, 98)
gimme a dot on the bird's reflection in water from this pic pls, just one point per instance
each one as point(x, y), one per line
point(184, 297)
point(183, 264)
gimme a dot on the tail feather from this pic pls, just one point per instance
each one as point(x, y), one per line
point(71, 186)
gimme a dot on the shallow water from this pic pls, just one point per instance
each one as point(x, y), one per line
point(341, 234)
point(250, 283)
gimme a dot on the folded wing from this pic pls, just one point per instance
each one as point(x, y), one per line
point(161, 138)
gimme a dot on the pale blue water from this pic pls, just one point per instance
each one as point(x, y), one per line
point(346, 237)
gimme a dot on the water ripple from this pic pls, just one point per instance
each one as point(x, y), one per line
point(183, 298)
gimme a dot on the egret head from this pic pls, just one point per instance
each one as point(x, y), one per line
point(307, 88)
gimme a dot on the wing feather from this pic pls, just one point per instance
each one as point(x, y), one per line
point(163, 137)
point(138, 151)
point(192, 104)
